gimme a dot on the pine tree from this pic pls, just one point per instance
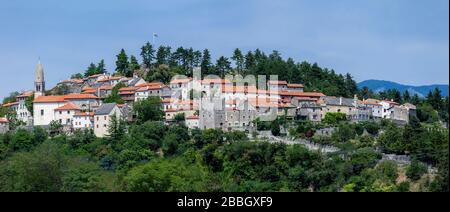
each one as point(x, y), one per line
point(122, 65)
point(249, 61)
point(350, 85)
point(206, 62)
point(148, 54)
point(238, 59)
point(134, 64)
point(101, 67)
point(223, 66)
point(406, 96)
point(91, 70)
point(162, 56)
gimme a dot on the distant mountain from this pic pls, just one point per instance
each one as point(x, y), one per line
point(381, 85)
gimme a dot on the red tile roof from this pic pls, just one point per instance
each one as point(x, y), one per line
point(147, 88)
point(151, 84)
point(193, 117)
point(296, 86)
point(25, 94)
point(68, 106)
point(126, 93)
point(176, 81)
point(10, 104)
point(128, 89)
point(80, 96)
point(48, 99)
point(106, 87)
point(109, 79)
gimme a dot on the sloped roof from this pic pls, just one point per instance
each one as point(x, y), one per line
point(68, 106)
point(331, 100)
point(296, 85)
point(48, 99)
point(105, 109)
point(10, 104)
point(79, 96)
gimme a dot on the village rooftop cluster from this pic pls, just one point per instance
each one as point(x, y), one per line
point(220, 104)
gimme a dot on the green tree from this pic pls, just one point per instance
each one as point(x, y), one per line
point(223, 66)
point(238, 58)
point(416, 170)
point(334, 118)
point(55, 127)
point(148, 110)
point(22, 141)
point(101, 67)
point(406, 96)
point(163, 56)
point(206, 62)
point(91, 70)
point(122, 64)
point(161, 74)
point(134, 64)
point(114, 97)
point(77, 76)
point(170, 175)
point(148, 54)
point(180, 117)
point(116, 128)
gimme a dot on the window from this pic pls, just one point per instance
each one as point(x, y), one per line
point(60, 112)
point(104, 118)
point(42, 112)
point(68, 121)
point(97, 125)
point(68, 112)
point(104, 125)
point(97, 119)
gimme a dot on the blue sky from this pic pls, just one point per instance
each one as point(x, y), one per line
point(406, 41)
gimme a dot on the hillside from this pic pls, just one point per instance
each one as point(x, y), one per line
point(422, 91)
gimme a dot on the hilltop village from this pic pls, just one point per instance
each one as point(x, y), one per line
point(220, 104)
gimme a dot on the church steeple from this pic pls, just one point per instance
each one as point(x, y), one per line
point(39, 82)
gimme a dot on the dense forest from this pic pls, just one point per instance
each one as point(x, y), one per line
point(147, 155)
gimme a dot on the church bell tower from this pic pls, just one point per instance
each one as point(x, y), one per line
point(39, 82)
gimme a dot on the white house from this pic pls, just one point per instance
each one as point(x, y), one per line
point(65, 113)
point(387, 110)
point(192, 122)
point(181, 87)
point(44, 109)
point(84, 101)
point(375, 106)
point(22, 111)
point(102, 118)
point(83, 120)
point(151, 89)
